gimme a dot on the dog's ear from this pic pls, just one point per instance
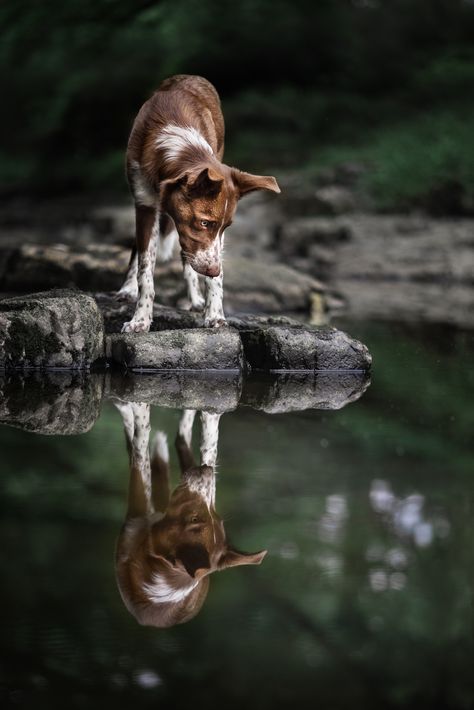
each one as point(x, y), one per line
point(194, 559)
point(232, 558)
point(207, 182)
point(245, 182)
point(166, 187)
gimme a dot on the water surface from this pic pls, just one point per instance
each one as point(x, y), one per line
point(365, 598)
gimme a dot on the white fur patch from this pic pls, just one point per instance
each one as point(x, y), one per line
point(159, 591)
point(142, 192)
point(166, 246)
point(194, 289)
point(221, 231)
point(185, 427)
point(159, 446)
point(214, 312)
point(173, 139)
point(210, 438)
point(209, 258)
point(203, 484)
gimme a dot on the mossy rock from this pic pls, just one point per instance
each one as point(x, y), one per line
point(55, 329)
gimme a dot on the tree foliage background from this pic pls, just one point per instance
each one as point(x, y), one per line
point(303, 83)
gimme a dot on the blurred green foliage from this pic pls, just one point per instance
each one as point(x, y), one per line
point(298, 80)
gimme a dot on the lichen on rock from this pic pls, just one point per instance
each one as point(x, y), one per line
point(54, 329)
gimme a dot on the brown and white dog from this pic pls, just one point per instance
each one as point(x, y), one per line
point(170, 544)
point(182, 191)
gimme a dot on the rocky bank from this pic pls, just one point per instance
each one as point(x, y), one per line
point(315, 250)
point(65, 329)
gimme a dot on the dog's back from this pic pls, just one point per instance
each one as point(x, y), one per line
point(185, 101)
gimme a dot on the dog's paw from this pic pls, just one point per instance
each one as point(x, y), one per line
point(136, 326)
point(128, 294)
point(214, 322)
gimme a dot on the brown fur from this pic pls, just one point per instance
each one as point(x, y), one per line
point(195, 187)
point(183, 546)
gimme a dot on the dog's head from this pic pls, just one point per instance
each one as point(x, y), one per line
point(163, 569)
point(202, 204)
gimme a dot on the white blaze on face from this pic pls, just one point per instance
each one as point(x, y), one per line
point(210, 258)
point(221, 228)
point(203, 483)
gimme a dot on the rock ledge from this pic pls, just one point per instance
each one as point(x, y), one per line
point(65, 329)
point(59, 329)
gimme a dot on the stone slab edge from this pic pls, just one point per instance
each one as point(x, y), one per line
point(266, 348)
point(180, 350)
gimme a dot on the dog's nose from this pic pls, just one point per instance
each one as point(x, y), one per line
point(213, 271)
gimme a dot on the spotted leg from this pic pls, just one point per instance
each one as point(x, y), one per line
point(185, 429)
point(194, 289)
point(209, 438)
point(129, 290)
point(202, 479)
point(147, 228)
point(214, 311)
point(136, 421)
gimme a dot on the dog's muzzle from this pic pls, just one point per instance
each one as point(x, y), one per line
point(212, 270)
point(208, 261)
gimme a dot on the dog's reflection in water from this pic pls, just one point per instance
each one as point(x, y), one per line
point(171, 542)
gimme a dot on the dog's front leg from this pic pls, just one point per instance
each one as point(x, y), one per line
point(209, 438)
point(140, 499)
point(194, 289)
point(214, 311)
point(147, 228)
point(129, 290)
point(136, 422)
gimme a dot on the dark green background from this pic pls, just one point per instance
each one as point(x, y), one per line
point(305, 84)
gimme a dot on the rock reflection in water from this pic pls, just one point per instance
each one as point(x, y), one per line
point(171, 543)
point(60, 403)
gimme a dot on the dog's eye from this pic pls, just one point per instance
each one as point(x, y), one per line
point(207, 224)
point(194, 524)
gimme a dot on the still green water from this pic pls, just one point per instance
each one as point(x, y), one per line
point(364, 600)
